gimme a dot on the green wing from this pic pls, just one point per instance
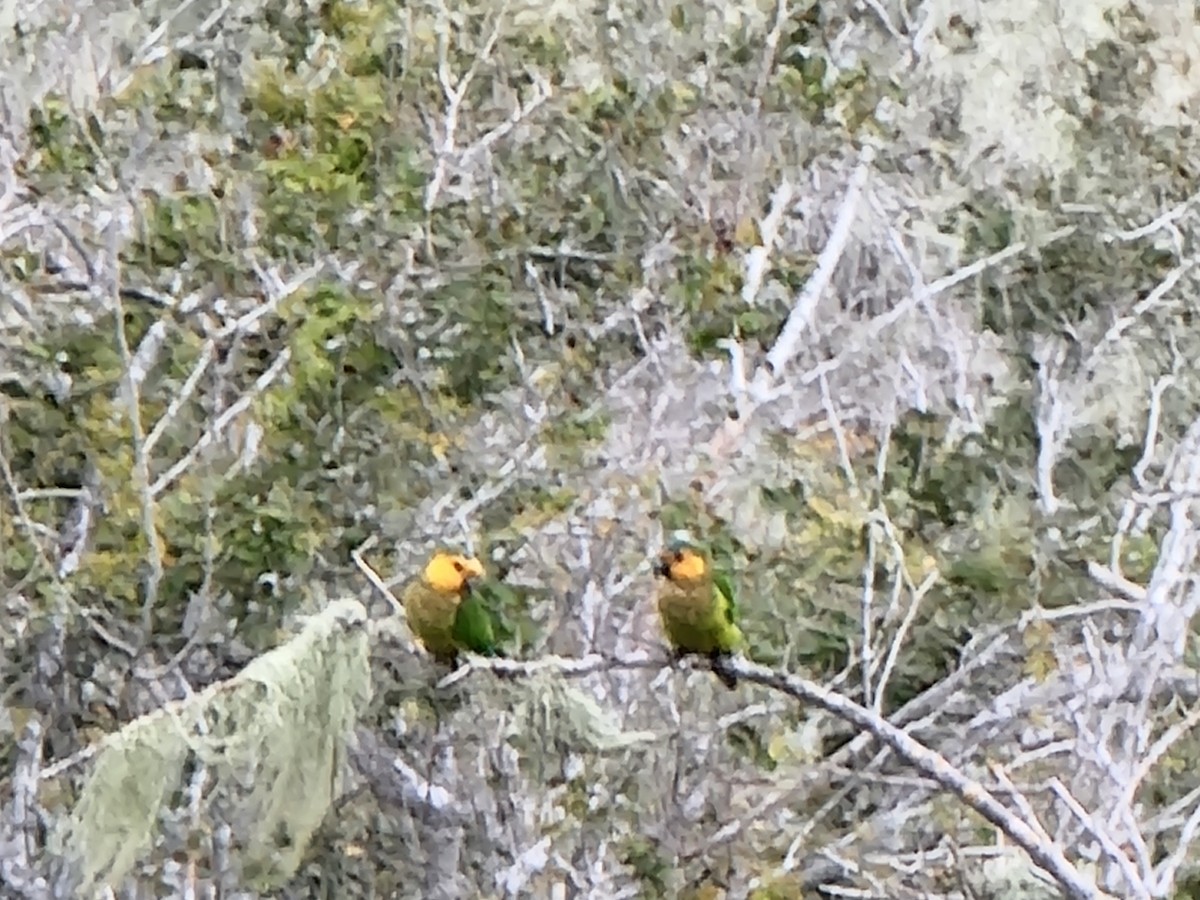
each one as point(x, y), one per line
point(474, 629)
point(724, 586)
point(484, 618)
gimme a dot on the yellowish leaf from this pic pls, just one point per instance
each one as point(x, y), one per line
point(778, 748)
point(684, 92)
point(822, 508)
point(746, 232)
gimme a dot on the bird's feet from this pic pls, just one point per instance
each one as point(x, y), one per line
point(718, 660)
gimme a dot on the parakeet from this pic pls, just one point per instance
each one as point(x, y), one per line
point(697, 608)
point(445, 611)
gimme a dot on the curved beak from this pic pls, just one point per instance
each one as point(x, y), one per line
point(472, 568)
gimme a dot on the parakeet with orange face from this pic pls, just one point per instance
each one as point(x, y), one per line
point(445, 610)
point(697, 607)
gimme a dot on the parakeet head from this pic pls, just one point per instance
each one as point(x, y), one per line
point(681, 563)
point(451, 573)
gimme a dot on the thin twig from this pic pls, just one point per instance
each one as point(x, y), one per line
point(1156, 752)
point(1127, 590)
point(372, 576)
point(786, 346)
point(222, 421)
point(1167, 869)
point(797, 321)
point(865, 613)
point(1111, 850)
point(133, 375)
point(182, 396)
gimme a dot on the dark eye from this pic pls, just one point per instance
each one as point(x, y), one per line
point(457, 566)
point(678, 556)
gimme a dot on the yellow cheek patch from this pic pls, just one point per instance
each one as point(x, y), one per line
point(689, 567)
point(447, 573)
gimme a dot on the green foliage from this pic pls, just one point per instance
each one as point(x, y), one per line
point(68, 146)
point(945, 484)
point(339, 375)
point(171, 96)
point(274, 517)
point(751, 745)
point(1065, 283)
point(1095, 465)
point(811, 586)
point(183, 228)
point(264, 527)
point(515, 514)
point(331, 155)
point(44, 443)
point(649, 866)
point(709, 291)
point(332, 338)
point(800, 84)
point(569, 436)
point(53, 445)
point(1139, 556)
point(484, 309)
point(319, 166)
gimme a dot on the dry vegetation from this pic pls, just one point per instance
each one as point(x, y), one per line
point(891, 303)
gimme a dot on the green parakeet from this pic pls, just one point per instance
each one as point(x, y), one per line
point(444, 610)
point(697, 607)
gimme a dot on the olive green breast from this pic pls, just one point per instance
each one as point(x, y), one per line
point(431, 616)
point(693, 618)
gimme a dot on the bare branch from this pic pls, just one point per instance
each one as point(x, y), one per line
point(866, 614)
point(265, 380)
point(134, 374)
point(1151, 300)
point(1117, 584)
point(801, 315)
point(455, 93)
point(917, 593)
point(395, 781)
point(1152, 420)
point(1043, 852)
point(787, 344)
point(1156, 752)
point(1054, 413)
point(1169, 867)
point(759, 255)
point(1019, 800)
point(372, 576)
point(185, 392)
point(1172, 215)
point(1100, 833)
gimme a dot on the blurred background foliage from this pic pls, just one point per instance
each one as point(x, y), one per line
point(515, 231)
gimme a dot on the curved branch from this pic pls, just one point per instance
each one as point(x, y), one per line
point(1044, 853)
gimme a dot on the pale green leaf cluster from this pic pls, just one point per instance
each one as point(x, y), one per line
point(270, 739)
point(566, 716)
